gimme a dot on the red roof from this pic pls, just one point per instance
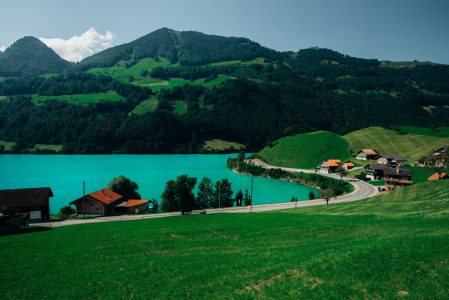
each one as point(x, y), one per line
point(348, 164)
point(369, 151)
point(135, 202)
point(331, 163)
point(105, 196)
point(437, 176)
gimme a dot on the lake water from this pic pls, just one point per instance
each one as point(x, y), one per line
point(65, 174)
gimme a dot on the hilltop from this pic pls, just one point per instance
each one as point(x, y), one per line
point(28, 57)
point(385, 247)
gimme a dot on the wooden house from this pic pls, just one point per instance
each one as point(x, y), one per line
point(98, 203)
point(134, 206)
point(392, 160)
point(329, 166)
point(348, 166)
point(367, 154)
point(375, 171)
point(396, 177)
point(32, 201)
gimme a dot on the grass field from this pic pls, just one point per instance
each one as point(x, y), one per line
point(44, 147)
point(80, 98)
point(306, 150)
point(8, 145)
point(220, 145)
point(145, 106)
point(180, 107)
point(388, 247)
point(3, 98)
point(438, 132)
point(411, 146)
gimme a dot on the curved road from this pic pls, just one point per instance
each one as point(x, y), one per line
point(362, 190)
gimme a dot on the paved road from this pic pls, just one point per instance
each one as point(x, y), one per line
point(362, 190)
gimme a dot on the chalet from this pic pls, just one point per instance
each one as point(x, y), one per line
point(375, 171)
point(348, 166)
point(134, 206)
point(367, 154)
point(396, 178)
point(438, 176)
point(329, 166)
point(32, 201)
point(99, 203)
point(392, 160)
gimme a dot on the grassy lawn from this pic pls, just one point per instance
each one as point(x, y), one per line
point(145, 106)
point(420, 174)
point(8, 145)
point(306, 150)
point(220, 145)
point(214, 82)
point(411, 146)
point(171, 83)
point(377, 182)
point(80, 98)
point(43, 147)
point(383, 248)
point(180, 107)
point(3, 98)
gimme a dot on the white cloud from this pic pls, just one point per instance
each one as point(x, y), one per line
point(2, 48)
point(80, 46)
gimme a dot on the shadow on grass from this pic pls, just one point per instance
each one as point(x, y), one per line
point(9, 231)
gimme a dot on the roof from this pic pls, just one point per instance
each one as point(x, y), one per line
point(397, 172)
point(25, 197)
point(437, 176)
point(134, 202)
point(349, 164)
point(331, 163)
point(376, 167)
point(369, 151)
point(105, 196)
point(395, 157)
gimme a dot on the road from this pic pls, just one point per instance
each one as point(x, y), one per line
point(362, 190)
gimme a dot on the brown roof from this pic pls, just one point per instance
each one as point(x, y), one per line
point(437, 176)
point(25, 197)
point(349, 164)
point(369, 151)
point(135, 202)
point(331, 163)
point(105, 196)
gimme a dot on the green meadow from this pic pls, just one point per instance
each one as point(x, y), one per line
point(392, 246)
point(80, 98)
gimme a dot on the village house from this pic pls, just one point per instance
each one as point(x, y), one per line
point(32, 201)
point(367, 154)
point(347, 166)
point(397, 178)
point(439, 159)
point(329, 166)
point(98, 203)
point(375, 171)
point(392, 160)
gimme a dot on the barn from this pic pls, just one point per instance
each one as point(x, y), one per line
point(32, 201)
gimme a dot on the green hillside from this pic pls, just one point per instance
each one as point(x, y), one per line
point(80, 98)
point(382, 248)
point(306, 150)
point(411, 146)
point(438, 131)
point(29, 56)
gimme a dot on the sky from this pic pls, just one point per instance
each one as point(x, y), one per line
point(383, 29)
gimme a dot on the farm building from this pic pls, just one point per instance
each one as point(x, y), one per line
point(375, 171)
point(136, 206)
point(98, 203)
point(392, 160)
point(32, 201)
point(348, 166)
point(329, 166)
point(367, 154)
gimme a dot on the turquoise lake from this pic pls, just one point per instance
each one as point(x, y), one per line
point(66, 173)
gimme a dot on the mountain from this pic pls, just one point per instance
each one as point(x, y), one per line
point(28, 57)
point(189, 48)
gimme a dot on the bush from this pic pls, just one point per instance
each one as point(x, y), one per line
point(66, 211)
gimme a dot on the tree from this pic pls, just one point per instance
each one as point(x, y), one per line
point(155, 204)
point(295, 199)
point(239, 198)
point(327, 194)
point(247, 198)
point(223, 193)
point(205, 197)
point(311, 195)
point(178, 195)
point(125, 187)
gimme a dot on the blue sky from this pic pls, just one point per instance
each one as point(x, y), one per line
point(394, 29)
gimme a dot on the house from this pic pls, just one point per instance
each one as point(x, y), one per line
point(438, 176)
point(375, 171)
point(329, 166)
point(32, 201)
point(396, 177)
point(392, 160)
point(348, 166)
point(98, 203)
point(367, 154)
point(440, 151)
point(134, 206)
